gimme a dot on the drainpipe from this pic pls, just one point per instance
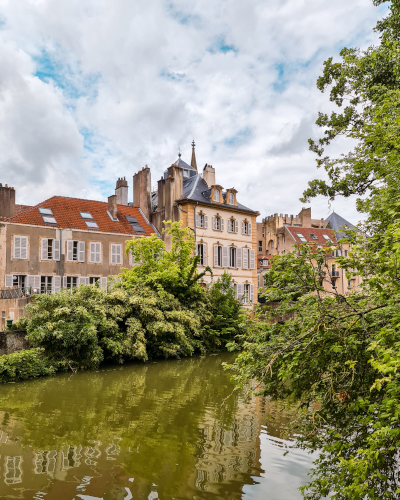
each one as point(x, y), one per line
point(60, 258)
point(194, 209)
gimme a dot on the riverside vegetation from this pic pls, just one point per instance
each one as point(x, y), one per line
point(156, 309)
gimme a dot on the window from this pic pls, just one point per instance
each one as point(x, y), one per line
point(71, 282)
point(245, 292)
point(260, 246)
point(134, 223)
point(246, 228)
point(116, 254)
point(86, 215)
point(20, 247)
point(265, 262)
point(232, 257)
point(216, 195)
point(202, 221)
point(19, 280)
point(248, 258)
point(338, 253)
point(93, 280)
point(50, 249)
point(185, 173)
point(218, 224)
point(233, 226)
point(263, 232)
point(95, 252)
point(46, 284)
point(91, 224)
point(327, 238)
point(301, 237)
point(49, 220)
point(75, 251)
point(349, 284)
point(313, 236)
point(201, 251)
point(346, 253)
point(45, 211)
point(231, 199)
point(217, 256)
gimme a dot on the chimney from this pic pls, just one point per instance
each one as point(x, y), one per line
point(142, 191)
point(112, 206)
point(121, 191)
point(7, 201)
point(209, 175)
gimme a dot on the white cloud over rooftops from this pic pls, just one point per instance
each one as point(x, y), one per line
point(94, 89)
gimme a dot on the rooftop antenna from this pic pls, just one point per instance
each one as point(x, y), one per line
point(179, 153)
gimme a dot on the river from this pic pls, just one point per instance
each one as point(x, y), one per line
point(145, 431)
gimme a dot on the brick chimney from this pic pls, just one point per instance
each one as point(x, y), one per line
point(209, 175)
point(121, 191)
point(112, 206)
point(142, 191)
point(7, 201)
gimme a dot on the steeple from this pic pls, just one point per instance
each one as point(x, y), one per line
point(193, 163)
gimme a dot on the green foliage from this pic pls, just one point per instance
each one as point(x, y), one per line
point(25, 365)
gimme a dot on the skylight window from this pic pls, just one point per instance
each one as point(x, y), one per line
point(45, 211)
point(326, 237)
point(134, 223)
point(86, 215)
point(49, 220)
point(92, 224)
point(301, 237)
point(313, 236)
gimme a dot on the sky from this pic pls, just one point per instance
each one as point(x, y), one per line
point(93, 90)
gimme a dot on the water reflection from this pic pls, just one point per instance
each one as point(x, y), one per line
point(139, 431)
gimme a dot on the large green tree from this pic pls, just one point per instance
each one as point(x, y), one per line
point(339, 355)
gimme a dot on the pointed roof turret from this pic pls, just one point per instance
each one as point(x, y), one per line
point(193, 163)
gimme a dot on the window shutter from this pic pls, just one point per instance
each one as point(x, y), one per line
point(252, 293)
point(215, 255)
point(36, 282)
point(236, 226)
point(229, 226)
point(17, 247)
point(70, 250)
point(56, 250)
point(240, 289)
point(45, 244)
point(82, 280)
point(81, 251)
point(245, 258)
point(92, 251)
point(98, 253)
point(206, 222)
point(225, 256)
point(103, 283)
point(239, 258)
point(64, 282)
point(119, 256)
point(198, 220)
point(56, 284)
point(9, 280)
point(222, 224)
point(113, 253)
point(249, 228)
point(214, 223)
point(242, 227)
point(252, 259)
point(24, 247)
point(204, 254)
point(31, 281)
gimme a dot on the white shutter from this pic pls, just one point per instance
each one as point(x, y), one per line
point(225, 256)
point(24, 247)
point(56, 284)
point(82, 280)
point(118, 250)
point(45, 244)
point(81, 251)
point(229, 226)
point(113, 253)
point(64, 282)
point(36, 282)
point(236, 226)
point(215, 255)
point(198, 223)
point(214, 223)
point(245, 258)
point(249, 228)
point(206, 222)
point(222, 224)
point(252, 293)
point(9, 280)
point(204, 254)
point(98, 253)
point(31, 281)
point(103, 283)
point(70, 250)
point(56, 250)
point(240, 289)
point(17, 247)
point(252, 259)
point(242, 227)
point(239, 258)
point(196, 250)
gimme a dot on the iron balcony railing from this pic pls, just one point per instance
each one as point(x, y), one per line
point(17, 293)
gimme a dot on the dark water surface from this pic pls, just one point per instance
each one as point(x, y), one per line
point(155, 431)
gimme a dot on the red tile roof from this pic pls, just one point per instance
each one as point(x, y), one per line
point(308, 231)
point(67, 214)
point(21, 208)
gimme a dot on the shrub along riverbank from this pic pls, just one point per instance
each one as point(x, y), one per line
point(156, 309)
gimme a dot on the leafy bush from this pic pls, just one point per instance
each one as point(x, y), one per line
point(25, 365)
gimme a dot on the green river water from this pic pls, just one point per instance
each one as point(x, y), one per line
point(153, 431)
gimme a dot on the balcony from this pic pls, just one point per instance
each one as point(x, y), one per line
point(335, 274)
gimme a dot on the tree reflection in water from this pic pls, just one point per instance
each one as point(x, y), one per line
point(154, 431)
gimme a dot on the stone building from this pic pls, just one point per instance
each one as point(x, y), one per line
point(225, 230)
point(62, 242)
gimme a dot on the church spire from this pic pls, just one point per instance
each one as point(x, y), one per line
point(193, 163)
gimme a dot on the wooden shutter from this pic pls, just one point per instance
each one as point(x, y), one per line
point(36, 282)
point(240, 291)
point(103, 283)
point(56, 284)
point(245, 258)
point(222, 224)
point(236, 226)
point(92, 251)
point(215, 255)
point(24, 247)
point(65, 282)
point(118, 254)
point(56, 250)
point(70, 250)
point(252, 259)
point(239, 258)
point(81, 280)
point(229, 225)
point(81, 251)
point(214, 223)
point(45, 244)
point(9, 280)
point(225, 251)
point(242, 227)
point(252, 293)
point(204, 254)
point(17, 247)
point(249, 228)
point(198, 220)
point(98, 253)
point(115, 257)
point(205, 221)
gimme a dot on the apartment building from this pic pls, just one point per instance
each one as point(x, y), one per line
point(63, 242)
point(225, 230)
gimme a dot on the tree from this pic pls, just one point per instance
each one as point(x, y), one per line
point(343, 351)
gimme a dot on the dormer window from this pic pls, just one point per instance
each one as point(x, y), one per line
point(231, 199)
point(216, 195)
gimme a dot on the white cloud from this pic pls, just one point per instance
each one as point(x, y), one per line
point(122, 84)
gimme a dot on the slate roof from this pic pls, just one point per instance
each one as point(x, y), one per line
point(67, 214)
point(306, 232)
point(337, 223)
point(183, 164)
point(196, 189)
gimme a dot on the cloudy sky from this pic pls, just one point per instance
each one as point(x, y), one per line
point(91, 90)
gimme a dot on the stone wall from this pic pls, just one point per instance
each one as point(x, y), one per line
point(13, 341)
point(12, 308)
